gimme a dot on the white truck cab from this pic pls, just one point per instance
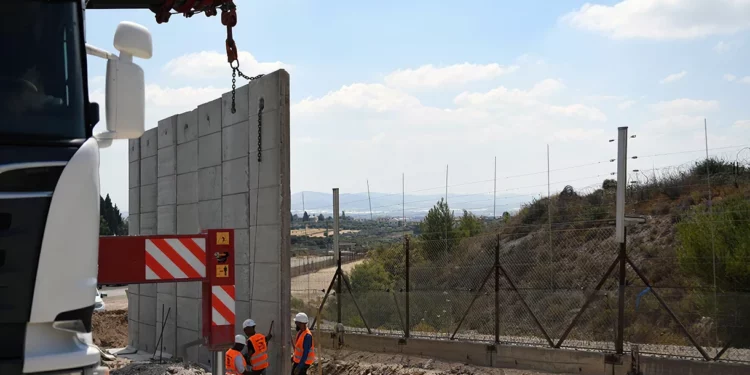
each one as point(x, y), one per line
point(49, 179)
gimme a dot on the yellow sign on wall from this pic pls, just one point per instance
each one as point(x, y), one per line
point(222, 238)
point(222, 271)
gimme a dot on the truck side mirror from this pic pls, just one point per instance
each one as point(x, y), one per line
point(125, 85)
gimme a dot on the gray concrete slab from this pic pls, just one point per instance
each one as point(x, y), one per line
point(235, 141)
point(235, 176)
point(148, 198)
point(147, 311)
point(187, 127)
point(267, 239)
point(149, 143)
point(187, 188)
point(241, 312)
point(133, 289)
point(209, 150)
point(187, 157)
point(264, 312)
point(148, 170)
point(267, 169)
point(134, 200)
point(241, 246)
point(209, 214)
point(166, 190)
point(167, 132)
point(192, 289)
point(272, 88)
point(185, 336)
point(134, 224)
point(168, 343)
point(166, 288)
point(270, 135)
point(166, 219)
point(209, 117)
point(167, 161)
point(242, 283)
point(133, 299)
point(166, 301)
point(267, 275)
point(188, 315)
point(148, 223)
point(134, 174)
point(209, 183)
point(266, 203)
point(148, 290)
point(187, 219)
point(132, 333)
point(134, 150)
point(234, 211)
point(146, 337)
point(241, 105)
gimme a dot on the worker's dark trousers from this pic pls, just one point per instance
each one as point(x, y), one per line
point(260, 372)
point(302, 371)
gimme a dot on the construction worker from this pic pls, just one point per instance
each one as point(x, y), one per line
point(304, 348)
point(234, 362)
point(257, 348)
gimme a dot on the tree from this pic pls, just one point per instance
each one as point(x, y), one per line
point(343, 215)
point(506, 216)
point(111, 221)
point(305, 216)
point(321, 217)
point(295, 217)
point(609, 184)
point(438, 225)
point(469, 225)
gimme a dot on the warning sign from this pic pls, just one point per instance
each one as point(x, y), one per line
point(222, 238)
point(222, 271)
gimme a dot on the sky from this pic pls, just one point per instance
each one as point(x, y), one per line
point(381, 89)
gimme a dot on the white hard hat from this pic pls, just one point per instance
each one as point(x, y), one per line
point(248, 323)
point(239, 339)
point(301, 318)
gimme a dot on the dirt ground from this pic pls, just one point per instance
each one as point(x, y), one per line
point(320, 233)
point(171, 368)
point(110, 328)
point(308, 287)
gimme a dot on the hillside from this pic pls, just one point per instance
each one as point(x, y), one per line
point(555, 270)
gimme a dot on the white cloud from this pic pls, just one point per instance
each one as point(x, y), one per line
point(722, 46)
point(626, 104)
point(730, 77)
point(578, 110)
point(745, 79)
point(742, 124)
point(674, 122)
point(679, 106)
point(674, 77)
point(211, 64)
point(662, 19)
point(504, 96)
point(370, 96)
point(577, 134)
point(604, 97)
point(430, 76)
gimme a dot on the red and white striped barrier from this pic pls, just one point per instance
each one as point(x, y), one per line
point(175, 258)
point(222, 302)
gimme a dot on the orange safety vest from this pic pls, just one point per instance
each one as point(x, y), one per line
point(298, 348)
point(259, 359)
point(229, 358)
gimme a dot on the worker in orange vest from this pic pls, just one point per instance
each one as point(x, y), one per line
point(234, 362)
point(304, 348)
point(257, 348)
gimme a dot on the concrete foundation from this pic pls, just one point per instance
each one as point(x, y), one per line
point(199, 170)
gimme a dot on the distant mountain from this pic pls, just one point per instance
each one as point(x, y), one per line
point(416, 206)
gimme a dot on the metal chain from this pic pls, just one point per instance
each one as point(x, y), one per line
point(261, 104)
point(236, 71)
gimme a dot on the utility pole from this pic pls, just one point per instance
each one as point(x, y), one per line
point(368, 198)
point(336, 249)
point(710, 213)
point(446, 204)
point(403, 202)
point(622, 170)
point(303, 211)
point(494, 194)
point(549, 203)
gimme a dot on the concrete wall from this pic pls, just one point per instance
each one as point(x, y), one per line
point(199, 170)
point(558, 361)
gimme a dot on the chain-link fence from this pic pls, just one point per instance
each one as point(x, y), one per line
point(551, 276)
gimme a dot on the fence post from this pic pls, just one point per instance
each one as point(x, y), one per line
point(407, 326)
point(497, 290)
point(620, 235)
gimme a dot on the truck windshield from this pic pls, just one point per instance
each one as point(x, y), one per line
point(41, 73)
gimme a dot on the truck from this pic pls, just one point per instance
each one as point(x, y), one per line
point(49, 177)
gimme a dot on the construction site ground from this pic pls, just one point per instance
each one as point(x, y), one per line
point(110, 330)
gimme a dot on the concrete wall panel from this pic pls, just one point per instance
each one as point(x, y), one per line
point(148, 170)
point(242, 312)
point(270, 135)
point(148, 198)
point(168, 132)
point(166, 288)
point(166, 191)
point(187, 188)
point(267, 169)
point(187, 157)
point(209, 214)
point(242, 246)
point(234, 211)
point(209, 117)
point(146, 337)
point(235, 176)
point(187, 127)
point(268, 238)
point(241, 105)
point(134, 200)
point(134, 224)
point(189, 313)
point(209, 150)
point(191, 289)
point(235, 141)
point(209, 183)
point(148, 290)
point(149, 143)
point(266, 203)
point(242, 283)
point(134, 150)
point(166, 221)
point(187, 218)
point(134, 174)
point(147, 223)
point(147, 311)
point(266, 278)
point(167, 161)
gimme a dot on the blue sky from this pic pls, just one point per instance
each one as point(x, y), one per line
point(380, 89)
